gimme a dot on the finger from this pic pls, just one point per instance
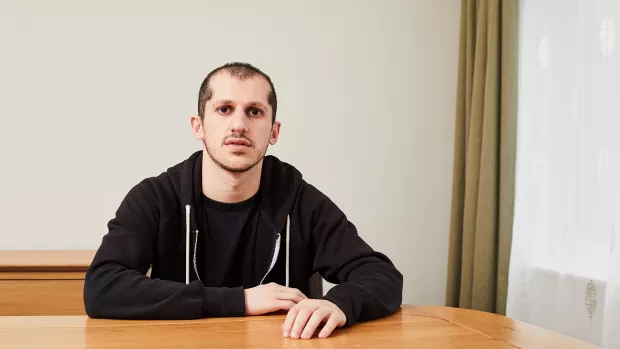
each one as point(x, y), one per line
point(291, 296)
point(290, 320)
point(284, 305)
point(315, 320)
point(329, 327)
point(300, 322)
point(296, 291)
point(303, 296)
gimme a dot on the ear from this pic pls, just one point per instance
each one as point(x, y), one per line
point(197, 128)
point(275, 133)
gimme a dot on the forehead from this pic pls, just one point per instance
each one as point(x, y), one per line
point(251, 89)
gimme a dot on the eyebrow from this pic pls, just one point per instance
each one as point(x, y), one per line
point(251, 104)
point(258, 104)
point(223, 101)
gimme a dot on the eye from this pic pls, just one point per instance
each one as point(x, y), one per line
point(255, 112)
point(224, 109)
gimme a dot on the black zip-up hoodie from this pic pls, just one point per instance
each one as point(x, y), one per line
point(300, 232)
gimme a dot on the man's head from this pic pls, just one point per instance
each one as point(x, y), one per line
point(236, 118)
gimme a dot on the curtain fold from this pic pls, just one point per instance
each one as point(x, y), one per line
point(484, 155)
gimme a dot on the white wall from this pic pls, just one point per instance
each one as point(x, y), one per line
point(96, 96)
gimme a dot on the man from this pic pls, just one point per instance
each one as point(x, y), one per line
point(232, 232)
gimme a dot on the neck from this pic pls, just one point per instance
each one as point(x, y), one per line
point(224, 186)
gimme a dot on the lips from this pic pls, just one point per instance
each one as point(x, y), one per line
point(238, 142)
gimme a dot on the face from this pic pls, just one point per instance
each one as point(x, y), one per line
point(237, 126)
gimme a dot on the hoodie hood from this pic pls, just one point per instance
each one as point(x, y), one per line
point(279, 181)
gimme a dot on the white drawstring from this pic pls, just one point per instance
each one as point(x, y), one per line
point(195, 251)
point(274, 258)
point(187, 238)
point(288, 242)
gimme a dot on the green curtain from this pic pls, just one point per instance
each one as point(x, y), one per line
point(484, 156)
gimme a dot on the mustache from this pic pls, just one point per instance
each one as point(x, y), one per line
point(238, 136)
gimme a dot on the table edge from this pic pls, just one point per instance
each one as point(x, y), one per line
point(510, 325)
point(45, 260)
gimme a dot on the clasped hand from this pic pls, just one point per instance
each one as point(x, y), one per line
point(304, 315)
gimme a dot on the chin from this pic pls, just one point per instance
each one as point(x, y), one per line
point(238, 167)
point(239, 163)
point(236, 161)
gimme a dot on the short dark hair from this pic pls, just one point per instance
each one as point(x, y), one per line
point(240, 71)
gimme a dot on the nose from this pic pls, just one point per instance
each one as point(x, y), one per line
point(239, 122)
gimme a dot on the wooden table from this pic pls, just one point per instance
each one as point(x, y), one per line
point(414, 327)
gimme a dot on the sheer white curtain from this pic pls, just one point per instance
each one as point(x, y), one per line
point(565, 260)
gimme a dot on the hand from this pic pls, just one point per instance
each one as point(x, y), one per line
point(270, 298)
point(303, 319)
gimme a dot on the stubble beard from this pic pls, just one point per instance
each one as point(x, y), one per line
point(231, 169)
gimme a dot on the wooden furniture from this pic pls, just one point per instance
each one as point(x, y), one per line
point(52, 282)
point(412, 327)
point(43, 282)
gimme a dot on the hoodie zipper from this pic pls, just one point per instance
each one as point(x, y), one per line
point(274, 258)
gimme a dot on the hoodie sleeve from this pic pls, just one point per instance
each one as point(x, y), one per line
point(116, 285)
point(368, 286)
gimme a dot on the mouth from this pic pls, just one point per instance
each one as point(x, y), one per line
point(238, 143)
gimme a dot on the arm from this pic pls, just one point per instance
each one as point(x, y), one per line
point(368, 286)
point(116, 285)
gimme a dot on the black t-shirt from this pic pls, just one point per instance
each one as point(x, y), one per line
point(229, 242)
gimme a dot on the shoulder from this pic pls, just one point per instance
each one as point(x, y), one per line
point(286, 177)
point(156, 195)
point(315, 205)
